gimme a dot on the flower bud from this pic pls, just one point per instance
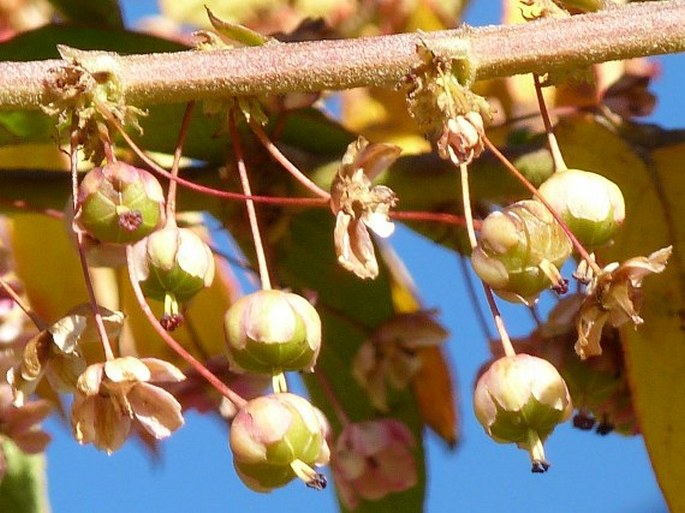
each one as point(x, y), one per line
point(592, 206)
point(276, 438)
point(520, 399)
point(173, 262)
point(271, 331)
point(520, 251)
point(119, 203)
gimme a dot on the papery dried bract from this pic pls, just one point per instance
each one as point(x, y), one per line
point(358, 205)
point(615, 296)
point(373, 459)
point(57, 351)
point(388, 357)
point(110, 395)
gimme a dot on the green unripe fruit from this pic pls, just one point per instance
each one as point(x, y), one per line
point(119, 204)
point(271, 331)
point(520, 399)
point(591, 205)
point(520, 250)
point(274, 437)
point(173, 262)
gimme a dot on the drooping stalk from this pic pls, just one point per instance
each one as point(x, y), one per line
point(251, 212)
point(35, 318)
point(201, 189)
point(496, 315)
point(329, 392)
point(99, 324)
point(557, 157)
point(285, 162)
point(178, 152)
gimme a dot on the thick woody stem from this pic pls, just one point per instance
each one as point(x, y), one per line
point(638, 29)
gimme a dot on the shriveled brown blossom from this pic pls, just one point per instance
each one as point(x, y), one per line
point(389, 358)
point(110, 395)
point(358, 205)
point(615, 296)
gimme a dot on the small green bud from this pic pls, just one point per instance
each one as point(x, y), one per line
point(173, 262)
point(591, 205)
point(119, 204)
point(276, 438)
point(520, 399)
point(271, 331)
point(520, 251)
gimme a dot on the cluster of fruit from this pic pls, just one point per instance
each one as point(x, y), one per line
point(521, 398)
point(274, 438)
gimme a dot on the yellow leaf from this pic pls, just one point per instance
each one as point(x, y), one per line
point(655, 352)
point(47, 264)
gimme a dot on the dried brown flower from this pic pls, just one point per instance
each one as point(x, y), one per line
point(110, 395)
point(56, 352)
point(615, 296)
point(389, 358)
point(358, 205)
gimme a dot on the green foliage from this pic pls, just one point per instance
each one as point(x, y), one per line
point(22, 490)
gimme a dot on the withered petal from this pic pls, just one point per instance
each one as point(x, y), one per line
point(126, 369)
point(156, 409)
point(162, 371)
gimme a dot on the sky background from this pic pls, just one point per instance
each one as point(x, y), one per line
point(610, 474)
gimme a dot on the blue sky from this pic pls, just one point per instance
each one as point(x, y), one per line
point(589, 473)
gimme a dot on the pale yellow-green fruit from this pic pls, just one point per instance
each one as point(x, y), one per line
point(521, 399)
point(273, 433)
point(520, 251)
point(591, 205)
point(271, 331)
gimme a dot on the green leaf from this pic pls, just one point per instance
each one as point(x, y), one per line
point(23, 489)
point(101, 13)
point(42, 43)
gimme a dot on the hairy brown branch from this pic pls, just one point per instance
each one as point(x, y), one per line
point(638, 29)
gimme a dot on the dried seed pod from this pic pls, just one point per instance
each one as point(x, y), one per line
point(276, 438)
point(520, 399)
point(520, 251)
point(119, 204)
point(271, 331)
point(591, 205)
